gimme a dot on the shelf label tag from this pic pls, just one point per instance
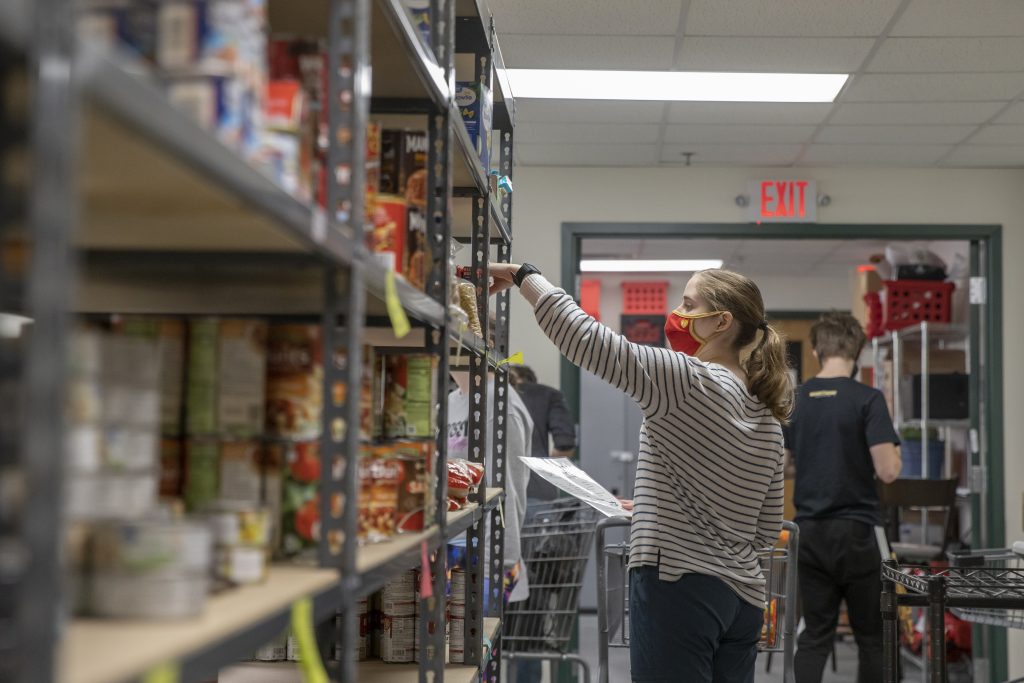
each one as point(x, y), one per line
point(399, 321)
point(426, 585)
point(162, 673)
point(309, 655)
point(516, 358)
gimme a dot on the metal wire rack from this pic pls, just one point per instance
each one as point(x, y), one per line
point(557, 539)
point(778, 564)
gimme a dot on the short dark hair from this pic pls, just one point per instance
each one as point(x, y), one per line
point(522, 373)
point(837, 335)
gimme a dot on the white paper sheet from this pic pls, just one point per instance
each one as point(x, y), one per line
point(568, 477)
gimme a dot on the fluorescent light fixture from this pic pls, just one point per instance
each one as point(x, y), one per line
point(647, 266)
point(675, 86)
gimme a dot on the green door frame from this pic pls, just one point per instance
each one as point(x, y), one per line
point(991, 388)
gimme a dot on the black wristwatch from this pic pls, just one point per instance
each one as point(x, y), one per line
point(524, 272)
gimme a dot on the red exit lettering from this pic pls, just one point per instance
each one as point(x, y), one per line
point(783, 198)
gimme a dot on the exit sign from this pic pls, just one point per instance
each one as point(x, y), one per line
point(783, 201)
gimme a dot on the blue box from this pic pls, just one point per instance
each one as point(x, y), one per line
point(476, 105)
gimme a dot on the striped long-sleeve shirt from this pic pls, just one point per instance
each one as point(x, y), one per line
point(709, 479)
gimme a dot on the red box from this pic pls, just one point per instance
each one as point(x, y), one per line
point(909, 302)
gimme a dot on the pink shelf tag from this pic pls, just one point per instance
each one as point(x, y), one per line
point(426, 585)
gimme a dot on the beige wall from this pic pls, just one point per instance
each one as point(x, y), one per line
point(546, 197)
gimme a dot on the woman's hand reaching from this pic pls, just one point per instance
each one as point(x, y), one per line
point(501, 276)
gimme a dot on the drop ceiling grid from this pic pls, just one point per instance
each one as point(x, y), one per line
point(924, 84)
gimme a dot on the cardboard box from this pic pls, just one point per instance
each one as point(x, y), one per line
point(403, 165)
point(295, 375)
point(863, 282)
point(387, 238)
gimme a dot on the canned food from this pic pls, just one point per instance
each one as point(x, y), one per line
point(398, 639)
point(398, 598)
point(148, 547)
point(142, 596)
point(240, 565)
point(109, 495)
point(293, 650)
point(274, 651)
point(236, 523)
point(456, 640)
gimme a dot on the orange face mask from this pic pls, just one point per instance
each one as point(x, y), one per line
point(681, 335)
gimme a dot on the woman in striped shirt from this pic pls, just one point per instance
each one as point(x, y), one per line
point(709, 481)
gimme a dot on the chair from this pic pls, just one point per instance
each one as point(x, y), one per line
point(918, 493)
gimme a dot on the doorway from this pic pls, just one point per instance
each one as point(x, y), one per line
point(979, 311)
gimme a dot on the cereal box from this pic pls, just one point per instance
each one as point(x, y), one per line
point(387, 237)
point(295, 376)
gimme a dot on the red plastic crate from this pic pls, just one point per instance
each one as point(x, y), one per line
point(909, 302)
point(644, 298)
point(876, 326)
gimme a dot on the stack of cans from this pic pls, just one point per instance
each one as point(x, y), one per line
point(457, 618)
point(398, 628)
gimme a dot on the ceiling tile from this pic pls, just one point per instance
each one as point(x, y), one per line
point(961, 18)
point(587, 52)
point(587, 111)
point(949, 55)
point(748, 155)
point(935, 87)
point(986, 156)
point(586, 17)
point(712, 134)
point(747, 113)
point(793, 55)
point(999, 135)
point(788, 17)
point(900, 113)
point(910, 135)
point(587, 155)
point(588, 133)
point(1013, 114)
point(873, 155)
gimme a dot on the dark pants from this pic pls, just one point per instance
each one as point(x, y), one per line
point(696, 630)
point(839, 560)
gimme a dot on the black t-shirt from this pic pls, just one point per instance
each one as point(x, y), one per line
point(835, 423)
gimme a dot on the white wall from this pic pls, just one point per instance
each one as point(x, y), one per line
point(547, 197)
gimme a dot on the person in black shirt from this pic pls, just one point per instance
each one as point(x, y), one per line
point(551, 417)
point(840, 439)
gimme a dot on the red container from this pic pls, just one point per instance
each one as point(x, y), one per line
point(909, 302)
point(645, 298)
point(876, 327)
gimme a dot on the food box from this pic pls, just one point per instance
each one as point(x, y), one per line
point(379, 477)
point(202, 465)
point(226, 377)
point(300, 500)
point(403, 165)
point(369, 428)
point(171, 468)
point(476, 106)
point(414, 460)
point(418, 262)
point(372, 170)
point(386, 239)
point(295, 376)
point(408, 396)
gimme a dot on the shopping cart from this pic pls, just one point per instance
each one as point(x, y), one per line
point(779, 564)
point(981, 586)
point(556, 542)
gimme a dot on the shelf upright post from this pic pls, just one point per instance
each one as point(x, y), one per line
point(439, 232)
point(13, 141)
point(34, 373)
point(348, 102)
point(505, 151)
point(479, 436)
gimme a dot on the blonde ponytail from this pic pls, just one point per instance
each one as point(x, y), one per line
point(766, 367)
point(768, 374)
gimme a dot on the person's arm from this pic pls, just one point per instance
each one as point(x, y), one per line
point(655, 378)
point(887, 460)
point(769, 522)
point(561, 426)
point(882, 439)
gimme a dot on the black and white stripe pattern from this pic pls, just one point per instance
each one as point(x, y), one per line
point(709, 481)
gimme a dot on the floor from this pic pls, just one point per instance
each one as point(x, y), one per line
point(619, 660)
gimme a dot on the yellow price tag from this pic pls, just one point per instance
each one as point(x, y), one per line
point(399, 321)
point(309, 655)
point(516, 358)
point(163, 673)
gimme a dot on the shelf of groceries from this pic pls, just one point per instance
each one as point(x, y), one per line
point(159, 145)
point(113, 651)
point(370, 671)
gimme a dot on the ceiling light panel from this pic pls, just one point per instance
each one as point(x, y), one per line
point(675, 86)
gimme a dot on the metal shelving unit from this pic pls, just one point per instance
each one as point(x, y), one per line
point(209, 233)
